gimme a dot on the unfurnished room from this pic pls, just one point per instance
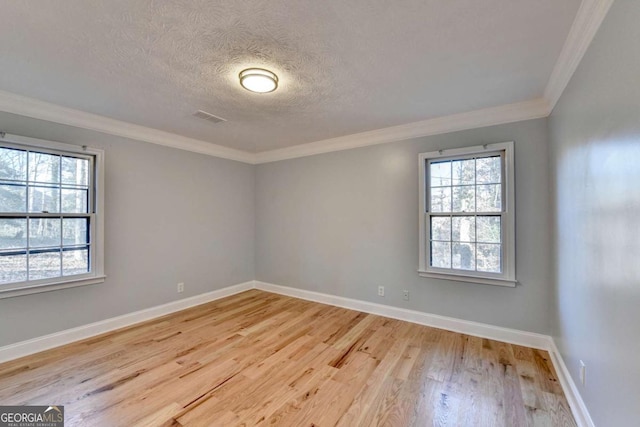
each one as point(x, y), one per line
point(320, 213)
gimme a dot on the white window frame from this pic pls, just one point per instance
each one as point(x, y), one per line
point(96, 275)
point(508, 275)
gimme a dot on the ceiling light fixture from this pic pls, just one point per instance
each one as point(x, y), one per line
point(258, 80)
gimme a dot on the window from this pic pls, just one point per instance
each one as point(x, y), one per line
point(50, 216)
point(467, 225)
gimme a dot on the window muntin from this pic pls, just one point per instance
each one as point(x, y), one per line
point(48, 215)
point(467, 227)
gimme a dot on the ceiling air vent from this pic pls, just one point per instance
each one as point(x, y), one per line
point(208, 116)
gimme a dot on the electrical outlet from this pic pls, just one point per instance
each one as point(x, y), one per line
point(405, 295)
point(380, 291)
point(180, 287)
point(583, 372)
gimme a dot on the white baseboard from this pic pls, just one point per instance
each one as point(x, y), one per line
point(578, 408)
point(46, 342)
point(483, 330)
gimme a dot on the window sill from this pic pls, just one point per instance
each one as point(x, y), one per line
point(51, 286)
point(467, 278)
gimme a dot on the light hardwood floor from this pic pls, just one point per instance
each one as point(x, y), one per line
point(264, 359)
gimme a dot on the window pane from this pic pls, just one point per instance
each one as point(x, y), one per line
point(464, 199)
point(441, 254)
point(464, 256)
point(489, 170)
point(441, 199)
point(489, 198)
point(74, 201)
point(440, 174)
point(44, 232)
point(489, 258)
point(74, 231)
point(441, 228)
point(13, 233)
point(13, 164)
point(44, 168)
point(464, 229)
point(75, 171)
point(13, 198)
point(463, 172)
point(13, 268)
point(44, 265)
point(75, 261)
point(488, 229)
point(44, 199)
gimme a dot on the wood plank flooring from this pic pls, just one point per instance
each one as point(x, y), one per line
point(261, 359)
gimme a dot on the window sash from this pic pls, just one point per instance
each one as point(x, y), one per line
point(430, 239)
point(502, 182)
point(61, 247)
point(27, 183)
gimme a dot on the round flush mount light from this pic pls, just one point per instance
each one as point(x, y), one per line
point(258, 80)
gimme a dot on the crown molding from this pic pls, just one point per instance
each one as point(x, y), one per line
point(527, 110)
point(588, 19)
point(34, 108)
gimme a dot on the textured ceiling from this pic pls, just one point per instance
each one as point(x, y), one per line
point(344, 66)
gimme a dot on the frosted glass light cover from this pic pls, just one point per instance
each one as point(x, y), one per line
point(258, 80)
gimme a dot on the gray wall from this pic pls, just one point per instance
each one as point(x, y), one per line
point(345, 222)
point(171, 216)
point(595, 155)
